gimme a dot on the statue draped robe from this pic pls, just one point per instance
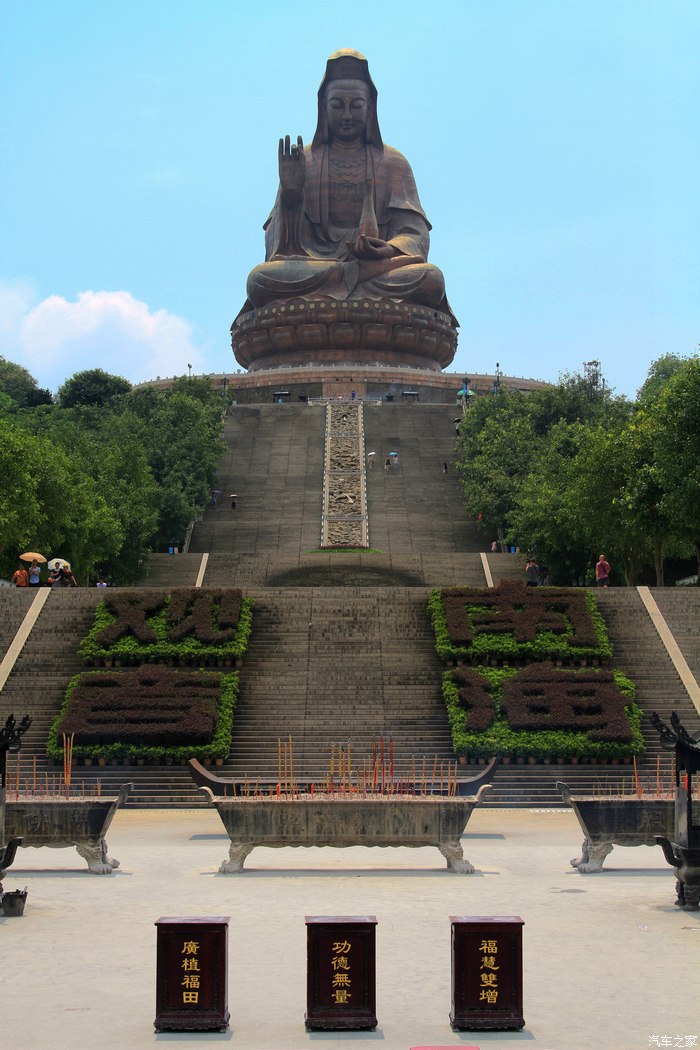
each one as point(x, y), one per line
point(329, 268)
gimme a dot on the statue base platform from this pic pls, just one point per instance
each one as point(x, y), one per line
point(324, 331)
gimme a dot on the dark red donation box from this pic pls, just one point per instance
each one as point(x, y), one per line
point(487, 972)
point(341, 972)
point(192, 974)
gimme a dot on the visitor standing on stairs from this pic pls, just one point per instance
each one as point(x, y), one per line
point(602, 572)
point(19, 577)
point(532, 571)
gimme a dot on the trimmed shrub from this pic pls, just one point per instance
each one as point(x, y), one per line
point(151, 712)
point(187, 626)
point(543, 712)
point(513, 622)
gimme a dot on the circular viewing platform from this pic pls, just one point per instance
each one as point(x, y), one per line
point(375, 332)
point(374, 382)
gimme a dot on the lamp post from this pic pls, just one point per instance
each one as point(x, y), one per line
point(189, 371)
point(497, 379)
point(591, 373)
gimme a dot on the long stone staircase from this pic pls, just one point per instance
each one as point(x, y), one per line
point(682, 615)
point(274, 464)
point(331, 666)
point(415, 510)
point(640, 654)
point(342, 650)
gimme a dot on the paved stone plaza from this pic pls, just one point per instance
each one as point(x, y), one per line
point(609, 962)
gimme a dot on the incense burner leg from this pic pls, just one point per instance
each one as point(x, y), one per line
point(692, 898)
point(454, 855)
point(687, 897)
point(238, 851)
point(593, 855)
point(96, 856)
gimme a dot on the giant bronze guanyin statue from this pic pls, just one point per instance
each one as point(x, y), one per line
point(346, 277)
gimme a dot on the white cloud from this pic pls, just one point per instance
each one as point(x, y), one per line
point(55, 338)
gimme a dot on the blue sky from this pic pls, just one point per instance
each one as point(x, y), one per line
point(554, 142)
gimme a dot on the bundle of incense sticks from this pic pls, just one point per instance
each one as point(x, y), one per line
point(67, 760)
point(376, 775)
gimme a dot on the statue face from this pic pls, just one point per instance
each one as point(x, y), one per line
point(347, 109)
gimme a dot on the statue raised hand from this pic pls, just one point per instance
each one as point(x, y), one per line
point(292, 170)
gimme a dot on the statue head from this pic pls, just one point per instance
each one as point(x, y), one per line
point(343, 69)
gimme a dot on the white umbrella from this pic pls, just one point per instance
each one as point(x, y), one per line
point(59, 563)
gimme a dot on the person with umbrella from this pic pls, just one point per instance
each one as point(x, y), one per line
point(34, 570)
point(233, 496)
point(34, 574)
point(67, 577)
point(60, 573)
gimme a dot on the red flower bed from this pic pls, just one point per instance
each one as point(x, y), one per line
point(132, 612)
point(521, 611)
point(151, 706)
point(209, 616)
point(475, 697)
point(541, 697)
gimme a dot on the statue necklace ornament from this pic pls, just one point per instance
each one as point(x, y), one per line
point(347, 172)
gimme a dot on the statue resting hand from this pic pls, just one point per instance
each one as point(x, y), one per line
point(372, 248)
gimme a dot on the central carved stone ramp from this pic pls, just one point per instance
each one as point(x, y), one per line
point(344, 519)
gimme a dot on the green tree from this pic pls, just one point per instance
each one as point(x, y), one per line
point(92, 387)
point(109, 447)
point(620, 494)
point(182, 439)
point(549, 514)
point(47, 503)
point(21, 386)
point(660, 371)
point(132, 470)
point(495, 448)
point(505, 454)
point(676, 438)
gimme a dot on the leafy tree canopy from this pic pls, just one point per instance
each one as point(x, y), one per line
point(93, 387)
point(102, 483)
point(571, 470)
point(20, 385)
point(660, 371)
